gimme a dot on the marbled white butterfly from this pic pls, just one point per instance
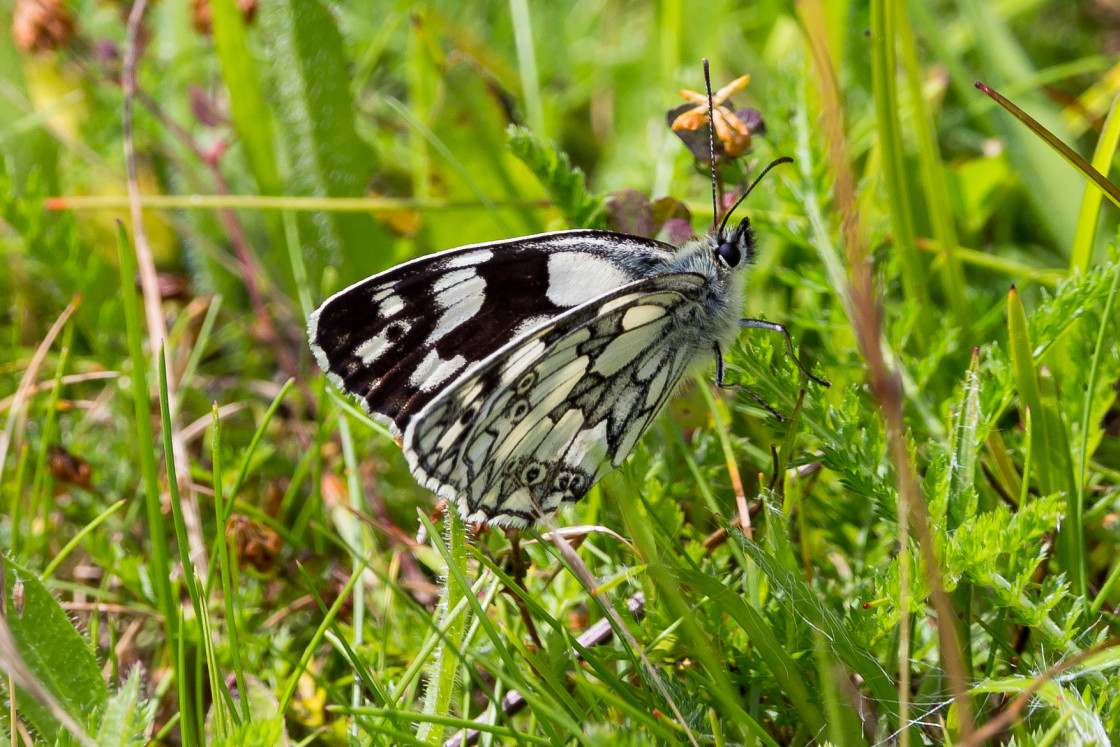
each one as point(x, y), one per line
point(519, 373)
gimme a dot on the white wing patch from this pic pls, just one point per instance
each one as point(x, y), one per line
point(461, 295)
point(470, 259)
point(577, 277)
point(373, 348)
point(626, 347)
point(388, 303)
point(542, 420)
point(433, 371)
point(640, 315)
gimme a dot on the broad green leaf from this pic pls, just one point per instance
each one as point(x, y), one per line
point(53, 650)
point(310, 95)
point(251, 117)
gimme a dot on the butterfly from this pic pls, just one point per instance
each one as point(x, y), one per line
point(517, 374)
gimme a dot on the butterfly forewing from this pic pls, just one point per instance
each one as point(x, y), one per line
point(542, 420)
point(397, 338)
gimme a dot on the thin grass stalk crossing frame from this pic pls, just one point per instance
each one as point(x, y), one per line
point(445, 666)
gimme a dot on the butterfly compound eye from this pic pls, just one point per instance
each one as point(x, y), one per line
point(729, 253)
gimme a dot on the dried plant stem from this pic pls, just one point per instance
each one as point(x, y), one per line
point(885, 384)
point(246, 259)
point(26, 384)
point(149, 285)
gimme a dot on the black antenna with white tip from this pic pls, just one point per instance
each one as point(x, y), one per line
point(712, 151)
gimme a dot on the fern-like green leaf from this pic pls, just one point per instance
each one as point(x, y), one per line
point(564, 183)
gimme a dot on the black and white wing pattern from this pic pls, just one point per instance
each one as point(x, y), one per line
point(543, 419)
point(398, 338)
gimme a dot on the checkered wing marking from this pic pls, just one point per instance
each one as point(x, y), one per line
point(395, 339)
point(544, 419)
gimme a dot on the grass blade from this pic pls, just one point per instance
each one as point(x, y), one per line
point(1072, 157)
point(1083, 240)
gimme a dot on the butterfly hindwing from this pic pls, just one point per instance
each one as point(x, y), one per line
point(546, 417)
point(397, 338)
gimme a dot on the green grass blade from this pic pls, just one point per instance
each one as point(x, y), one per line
point(933, 175)
point(222, 555)
point(445, 666)
point(41, 478)
point(1072, 157)
point(785, 670)
point(884, 65)
point(160, 562)
point(1082, 253)
point(1049, 441)
point(1083, 456)
point(806, 605)
point(191, 726)
point(289, 689)
point(1026, 381)
point(527, 65)
point(550, 717)
point(64, 553)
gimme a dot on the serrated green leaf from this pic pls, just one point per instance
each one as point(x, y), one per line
point(1083, 726)
point(564, 183)
point(127, 715)
point(960, 497)
point(59, 657)
point(267, 733)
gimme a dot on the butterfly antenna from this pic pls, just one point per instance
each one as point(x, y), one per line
point(712, 148)
point(765, 171)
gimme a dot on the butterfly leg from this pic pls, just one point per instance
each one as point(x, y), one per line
point(773, 327)
point(739, 388)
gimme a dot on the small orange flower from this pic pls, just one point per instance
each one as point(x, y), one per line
point(731, 131)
